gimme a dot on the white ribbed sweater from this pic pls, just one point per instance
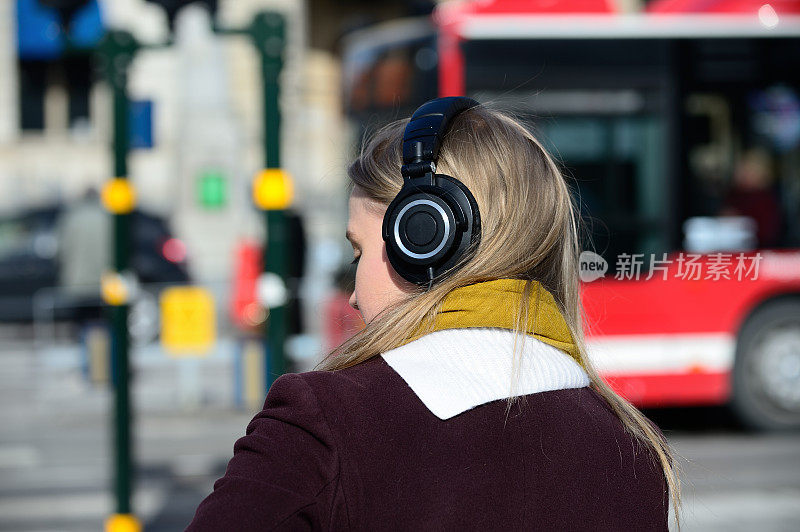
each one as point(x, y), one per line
point(454, 370)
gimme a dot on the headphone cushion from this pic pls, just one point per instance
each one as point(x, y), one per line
point(428, 227)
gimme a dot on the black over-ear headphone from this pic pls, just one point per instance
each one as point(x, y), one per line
point(434, 218)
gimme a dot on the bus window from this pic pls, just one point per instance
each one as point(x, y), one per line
point(598, 105)
point(615, 164)
point(743, 150)
point(389, 70)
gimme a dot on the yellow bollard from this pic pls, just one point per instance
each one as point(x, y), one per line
point(253, 377)
point(123, 523)
point(98, 346)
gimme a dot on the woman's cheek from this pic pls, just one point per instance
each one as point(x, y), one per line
point(362, 290)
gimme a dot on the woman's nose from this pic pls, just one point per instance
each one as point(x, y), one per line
point(352, 301)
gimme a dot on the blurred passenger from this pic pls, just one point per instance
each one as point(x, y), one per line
point(752, 194)
point(409, 424)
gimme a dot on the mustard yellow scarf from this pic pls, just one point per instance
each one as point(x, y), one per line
point(495, 304)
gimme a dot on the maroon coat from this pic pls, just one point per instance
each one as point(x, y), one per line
point(357, 449)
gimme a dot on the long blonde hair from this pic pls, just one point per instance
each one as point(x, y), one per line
point(529, 232)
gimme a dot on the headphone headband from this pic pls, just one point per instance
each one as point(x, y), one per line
point(424, 132)
point(434, 219)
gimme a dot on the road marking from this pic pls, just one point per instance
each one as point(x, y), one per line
point(16, 456)
point(741, 510)
point(94, 504)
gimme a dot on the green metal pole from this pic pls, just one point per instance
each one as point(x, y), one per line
point(268, 33)
point(116, 53)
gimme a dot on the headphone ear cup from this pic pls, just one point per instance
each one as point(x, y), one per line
point(469, 233)
point(428, 227)
point(419, 229)
point(434, 219)
point(461, 195)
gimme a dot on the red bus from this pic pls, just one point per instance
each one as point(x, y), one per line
point(679, 128)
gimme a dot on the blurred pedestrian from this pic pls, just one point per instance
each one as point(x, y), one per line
point(84, 253)
point(84, 243)
point(342, 321)
point(468, 401)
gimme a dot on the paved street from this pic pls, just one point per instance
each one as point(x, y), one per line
point(733, 480)
point(54, 442)
point(55, 460)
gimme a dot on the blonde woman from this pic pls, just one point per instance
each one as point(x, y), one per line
point(467, 402)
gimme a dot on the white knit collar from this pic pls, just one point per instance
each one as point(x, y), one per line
point(454, 370)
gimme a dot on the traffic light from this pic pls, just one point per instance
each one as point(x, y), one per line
point(212, 188)
point(65, 9)
point(171, 8)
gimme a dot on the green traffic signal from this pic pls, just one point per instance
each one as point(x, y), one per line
point(212, 190)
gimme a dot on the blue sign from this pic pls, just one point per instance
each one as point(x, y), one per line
point(39, 34)
point(141, 124)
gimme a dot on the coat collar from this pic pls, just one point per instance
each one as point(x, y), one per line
point(454, 370)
